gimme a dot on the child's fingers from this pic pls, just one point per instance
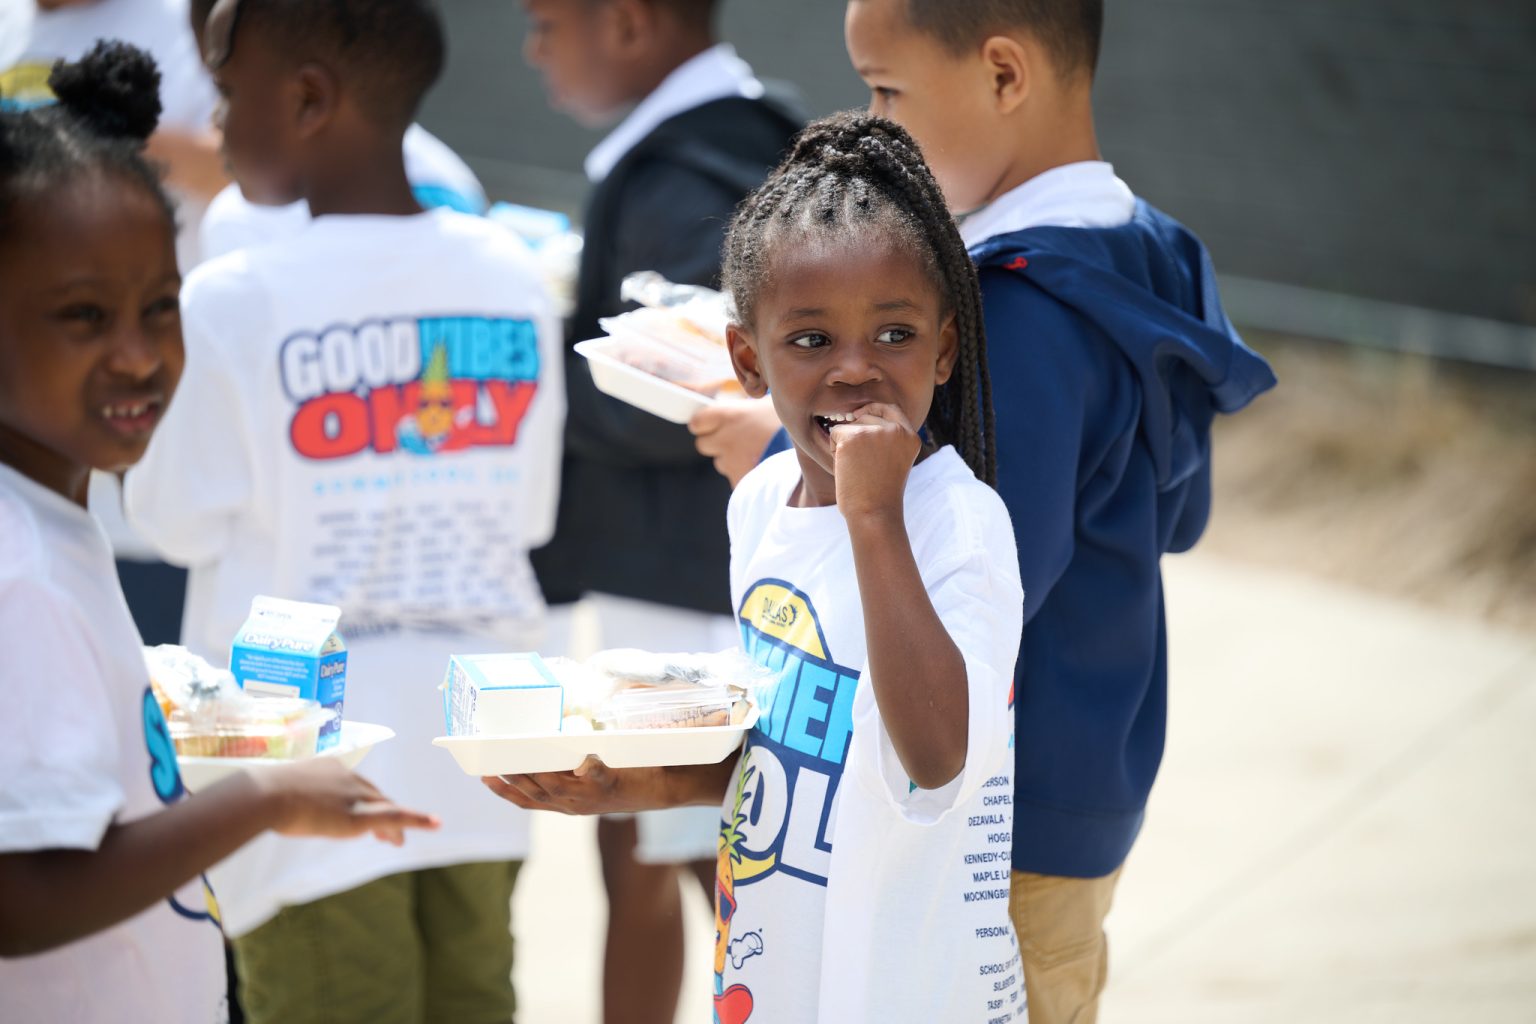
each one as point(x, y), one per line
point(504, 789)
point(370, 790)
point(592, 769)
point(520, 790)
point(876, 413)
point(381, 814)
point(392, 836)
point(706, 421)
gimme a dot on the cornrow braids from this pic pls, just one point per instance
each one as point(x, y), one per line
point(108, 105)
point(854, 173)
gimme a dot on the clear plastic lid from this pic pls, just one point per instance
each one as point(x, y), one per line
point(675, 690)
point(271, 727)
point(209, 715)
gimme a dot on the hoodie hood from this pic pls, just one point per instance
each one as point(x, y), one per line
point(1151, 288)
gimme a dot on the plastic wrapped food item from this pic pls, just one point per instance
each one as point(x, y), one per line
point(706, 310)
point(663, 691)
point(671, 707)
point(208, 715)
point(677, 334)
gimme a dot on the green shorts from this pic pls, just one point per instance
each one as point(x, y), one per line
point(414, 948)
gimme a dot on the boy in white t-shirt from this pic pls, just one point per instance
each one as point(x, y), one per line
point(863, 857)
point(105, 915)
point(371, 419)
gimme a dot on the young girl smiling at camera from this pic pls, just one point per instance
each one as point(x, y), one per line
point(863, 856)
point(103, 913)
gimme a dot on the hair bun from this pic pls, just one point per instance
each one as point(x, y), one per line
point(843, 140)
point(114, 89)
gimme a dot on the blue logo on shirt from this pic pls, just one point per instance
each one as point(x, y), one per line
point(795, 756)
point(163, 773)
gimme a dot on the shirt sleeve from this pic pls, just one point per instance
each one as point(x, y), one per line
point(978, 598)
point(188, 492)
point(59, 747)
point(546, 435)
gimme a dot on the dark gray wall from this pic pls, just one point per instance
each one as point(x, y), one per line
point(490, 106)
point(1380, 148)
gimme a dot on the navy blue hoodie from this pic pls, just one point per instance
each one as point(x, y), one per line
point(1110, 354)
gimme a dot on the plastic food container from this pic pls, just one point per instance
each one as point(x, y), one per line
point(616, 376)
point(357, 739)
point(281, 728)
point(670, 707)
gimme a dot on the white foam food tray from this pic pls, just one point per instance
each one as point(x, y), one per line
point(356, 739)
point(613, 376)
point(618, 748)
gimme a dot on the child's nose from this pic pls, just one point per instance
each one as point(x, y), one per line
point(855, 365)
point(135, 353)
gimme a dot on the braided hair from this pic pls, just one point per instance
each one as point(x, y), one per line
point(108, 106)
point(854, 174)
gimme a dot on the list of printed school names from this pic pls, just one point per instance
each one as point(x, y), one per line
point(414, 557)
point(989, 867)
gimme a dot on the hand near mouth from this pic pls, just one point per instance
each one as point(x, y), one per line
point(872, 456)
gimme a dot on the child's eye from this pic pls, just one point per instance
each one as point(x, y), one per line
point(882, 93)
point(893, 336)
point(162, 307)
point(84, 313)
point(812, 340)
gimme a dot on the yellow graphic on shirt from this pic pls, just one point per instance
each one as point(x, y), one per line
point(434, 415)
point(777, 611)
point(25, 86)
point(732, 1005)
point(212, 903)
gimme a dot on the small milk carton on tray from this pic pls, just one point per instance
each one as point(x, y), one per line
point(292, 649)
point(501, 695)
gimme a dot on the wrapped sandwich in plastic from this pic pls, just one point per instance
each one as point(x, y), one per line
point(632, 689)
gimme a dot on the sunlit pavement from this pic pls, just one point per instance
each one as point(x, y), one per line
point(1344, 828)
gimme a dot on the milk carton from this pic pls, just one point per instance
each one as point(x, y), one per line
point(292, 649)
point(501, 695)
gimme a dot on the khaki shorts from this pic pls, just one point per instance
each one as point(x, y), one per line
point(1060, 925)
point(422, 946)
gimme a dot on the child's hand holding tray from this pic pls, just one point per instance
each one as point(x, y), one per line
point(618, 748)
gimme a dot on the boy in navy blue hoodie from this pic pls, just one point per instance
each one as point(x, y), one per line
point(1110, 355)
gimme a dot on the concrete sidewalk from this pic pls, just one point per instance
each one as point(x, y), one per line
point(1345, 825)
point(1344, 828)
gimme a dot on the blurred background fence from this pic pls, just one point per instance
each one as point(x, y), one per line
point(1362, 170)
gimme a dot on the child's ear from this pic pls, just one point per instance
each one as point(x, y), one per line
point(318, 93)
point(744, 360)
point(633, 21)
point(1010, 65)
point(949, 351)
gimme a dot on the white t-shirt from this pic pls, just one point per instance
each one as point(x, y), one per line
point(370, 417)
point(437, 175)
point(850, 895)
point(161, 28)
point(83, 746)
